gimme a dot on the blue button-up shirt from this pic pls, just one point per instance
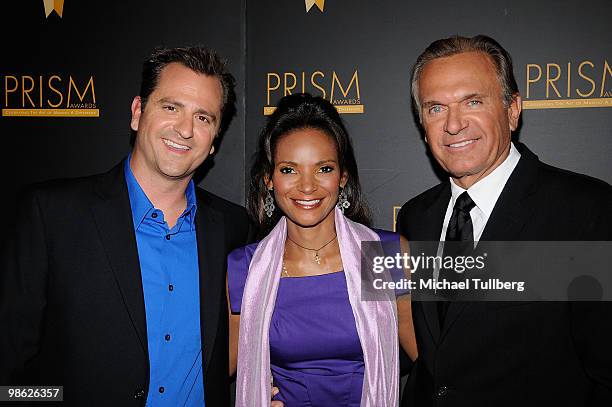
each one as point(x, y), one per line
point(170, 280)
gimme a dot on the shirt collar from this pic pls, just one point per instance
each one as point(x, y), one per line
point(142, 206)
point(140, 203)
point(190, 209)
point(486, 191)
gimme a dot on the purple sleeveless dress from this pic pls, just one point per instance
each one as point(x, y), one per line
point(315, 353)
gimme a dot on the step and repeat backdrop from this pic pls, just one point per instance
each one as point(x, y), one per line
point(70, 69)
point(359, 55)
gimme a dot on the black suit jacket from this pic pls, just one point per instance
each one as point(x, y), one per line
point(72, 309)
point(513, 353)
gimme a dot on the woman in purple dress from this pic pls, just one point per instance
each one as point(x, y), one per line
point(297, 317)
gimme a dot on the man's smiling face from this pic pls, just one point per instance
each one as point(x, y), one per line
point(467, 124)
point(178, 125)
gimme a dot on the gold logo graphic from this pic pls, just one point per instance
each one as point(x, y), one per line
point(319, 3)
point(568, 85)
point(54, 5)
point(342, 92)
point(53, 96)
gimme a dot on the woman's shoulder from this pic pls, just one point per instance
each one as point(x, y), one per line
point(238, 262)
point(386, 235)
point(242, 254)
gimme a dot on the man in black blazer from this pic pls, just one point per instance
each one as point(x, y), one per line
point(500, 353)
point(87, 277)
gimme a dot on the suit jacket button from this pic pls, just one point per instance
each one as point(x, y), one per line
point(442, 391)
point(139, 394)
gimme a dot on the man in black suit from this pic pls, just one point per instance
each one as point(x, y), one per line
point(114, 284)
point(500, 353)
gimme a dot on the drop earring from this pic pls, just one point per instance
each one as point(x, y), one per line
point(269, 204)
point(343, 202)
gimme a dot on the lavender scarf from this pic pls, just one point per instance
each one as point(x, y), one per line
point(376, 320)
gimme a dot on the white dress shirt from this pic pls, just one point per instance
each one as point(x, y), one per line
point(484, 193)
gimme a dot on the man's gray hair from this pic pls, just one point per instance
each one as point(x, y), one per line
point(447, 47)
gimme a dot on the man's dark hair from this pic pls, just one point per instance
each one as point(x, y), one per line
point(198, 59)
point(294, 112)
point(447, 47)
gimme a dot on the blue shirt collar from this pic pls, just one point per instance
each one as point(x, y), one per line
point(142, 206)
point(190, 209)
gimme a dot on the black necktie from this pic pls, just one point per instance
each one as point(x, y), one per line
point(459, 229)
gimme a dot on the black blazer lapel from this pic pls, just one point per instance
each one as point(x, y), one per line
point(113, 217)
point(429, 230)
point(211, 237)
point(429, 225)
point(512, 210)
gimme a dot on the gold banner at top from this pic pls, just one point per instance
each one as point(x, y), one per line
point(319, 3)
